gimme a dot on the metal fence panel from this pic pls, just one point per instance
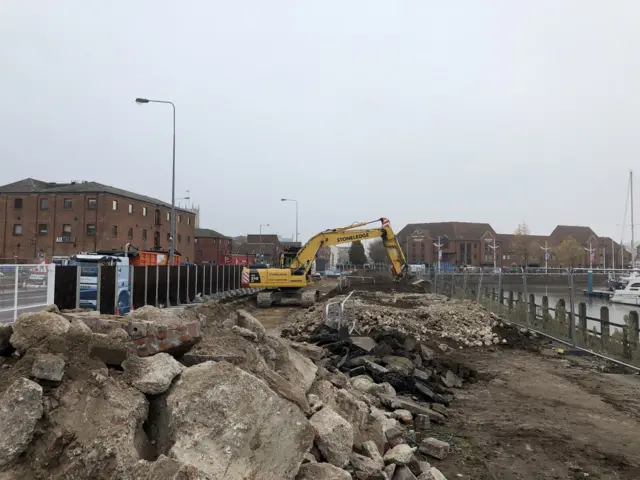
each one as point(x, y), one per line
point(25, 288)
point(570, 305)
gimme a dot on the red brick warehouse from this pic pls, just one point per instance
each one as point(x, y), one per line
point(45, 219)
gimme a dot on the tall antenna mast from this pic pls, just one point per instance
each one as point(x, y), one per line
point(633, 247)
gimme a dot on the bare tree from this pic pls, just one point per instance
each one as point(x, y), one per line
point(569, 253)
point(377, 251)
point(523, 246)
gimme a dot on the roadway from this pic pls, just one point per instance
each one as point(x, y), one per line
point(26, 297)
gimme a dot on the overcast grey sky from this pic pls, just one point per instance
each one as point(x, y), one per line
point(493, 111)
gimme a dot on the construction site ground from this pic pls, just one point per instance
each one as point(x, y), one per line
point(534, 414)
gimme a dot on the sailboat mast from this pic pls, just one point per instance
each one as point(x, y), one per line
point(633, 247)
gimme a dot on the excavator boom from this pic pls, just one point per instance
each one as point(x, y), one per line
point(289, 281)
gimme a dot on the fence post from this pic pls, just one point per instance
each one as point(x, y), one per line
point(211, 279)
point(510, 300)
point(532, 308)
point(156, 300)
point(169, 284)
point(98, 287)
point(78, 275)
point(217, 278)
point(572, 319)
point(545, 312)
point(633, 331)
point(146, 283)
point(605, 330)
point(15, 294)
point(204, 280)
point(501, 293)
point(178, 299)
point(561, 317)
point(195, 278)
point(582, 324)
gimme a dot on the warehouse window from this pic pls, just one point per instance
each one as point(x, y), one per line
point(66, 230)
point(144, 235)
point(130, 234)
point(43, 229)
point(144, 211)
point(44, 204)
point(91, 229)
point(17, 230)
point(67, 204)
point(114, 231)
point(130, 209)
point(92, 204)
point(114, 205)
point(17, 203)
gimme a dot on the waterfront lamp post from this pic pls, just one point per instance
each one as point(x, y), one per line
point(546, 256)
point(590, 250)
point(172, 241)
point(494, 247)
point(292, 200)
point(262, 225)
point(439, 246)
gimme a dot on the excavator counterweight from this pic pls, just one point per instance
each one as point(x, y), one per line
point(293, 281)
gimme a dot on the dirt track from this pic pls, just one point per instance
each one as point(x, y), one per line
point(535, 414)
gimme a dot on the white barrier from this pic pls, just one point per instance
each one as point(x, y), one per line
point(25, 288)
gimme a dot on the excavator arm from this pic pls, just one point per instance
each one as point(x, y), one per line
point(303, 261)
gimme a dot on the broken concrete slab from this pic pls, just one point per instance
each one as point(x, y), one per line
point(248, 321)
point(435, 475)
point(31, 328)
point(366, 467)
point(245, 332)
point(401, 454)
point(398, 364)
point(48, 367)
point(322, 471)
point(152, 375)
point(243, 429)
point(403, 472)
point(365, 343)
point(451, 380)
point(415, 408)
point(435, 448)
point(20, 409)
point(309, 350)
point(333, 436)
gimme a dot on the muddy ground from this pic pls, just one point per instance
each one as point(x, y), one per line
point(534, 414)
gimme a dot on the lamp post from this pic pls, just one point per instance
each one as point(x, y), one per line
point(439, 247)
point(590, 250)
point(173, 177)
point(494, 247)
point(292, 200)
point(262, 225)
point(546, 256)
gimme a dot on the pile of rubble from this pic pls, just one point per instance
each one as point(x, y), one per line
point(207, 394)
point(429, 316)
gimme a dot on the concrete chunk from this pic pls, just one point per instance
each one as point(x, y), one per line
point(435, 448)
point(401, 454)
point(48, 367)
point(334, 436)
point(32, 327)
point(322, 471)
point(152, 375)
point(20, 409)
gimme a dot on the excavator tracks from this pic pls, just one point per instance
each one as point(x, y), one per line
point(268, 298)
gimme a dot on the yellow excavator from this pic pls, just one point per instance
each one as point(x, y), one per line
point(294, 280)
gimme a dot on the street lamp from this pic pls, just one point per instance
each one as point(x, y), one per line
point(263, 225)
point(292, 200)
point(173, 177)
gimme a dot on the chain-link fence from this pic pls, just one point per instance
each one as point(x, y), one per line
point(24, 288)
point(572, 305)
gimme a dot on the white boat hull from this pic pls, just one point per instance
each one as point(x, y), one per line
point(620, 296)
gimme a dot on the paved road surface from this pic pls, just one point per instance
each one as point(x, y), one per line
point(26, 297)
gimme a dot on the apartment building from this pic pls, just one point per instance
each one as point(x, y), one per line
point(39, 220)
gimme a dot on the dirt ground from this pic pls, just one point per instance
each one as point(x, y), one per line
point(535, 414)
